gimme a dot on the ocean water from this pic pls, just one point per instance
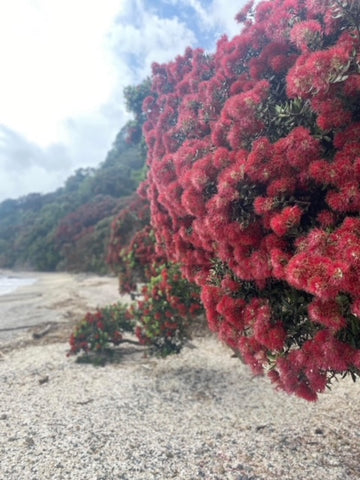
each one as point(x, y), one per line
point(9, 283)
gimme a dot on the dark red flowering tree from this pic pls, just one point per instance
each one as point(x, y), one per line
point(81, 237)
point(160, 313)
point(131, 248)
point(162, 319)
point(165, 313)
point(254, 186)
point(166, 302)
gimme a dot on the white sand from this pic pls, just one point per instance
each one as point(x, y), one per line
point(198, 415)
point(55, 298)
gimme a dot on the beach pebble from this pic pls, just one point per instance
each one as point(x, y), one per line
point(196, 415)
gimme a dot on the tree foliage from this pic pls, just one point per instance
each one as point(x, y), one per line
point(254, 186)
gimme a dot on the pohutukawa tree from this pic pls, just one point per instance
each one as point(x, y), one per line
point(254, 171)
point(131, 247)
point(162, 312)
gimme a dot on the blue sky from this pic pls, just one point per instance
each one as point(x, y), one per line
point(64, 66)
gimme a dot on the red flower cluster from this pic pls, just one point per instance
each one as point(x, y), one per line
point(163, 314)
point(131, 251)
point(99, 329)
point(254, 186)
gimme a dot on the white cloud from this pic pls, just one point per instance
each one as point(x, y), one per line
point(223, 14)
point(15, 185)
point(143, 35)
point(54, 63)
point(23, 165)
point(202, 12)
point(17, 153)
point(213, 18)
point(58, 81)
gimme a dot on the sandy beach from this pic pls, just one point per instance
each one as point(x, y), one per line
point(197, 415)
point(54, 299)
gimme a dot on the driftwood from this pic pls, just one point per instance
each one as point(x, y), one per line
point(9, 329)
point(42, 332)
point(35, 335)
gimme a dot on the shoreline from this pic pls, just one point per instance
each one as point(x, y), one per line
point(56, 299)
point(9, 281)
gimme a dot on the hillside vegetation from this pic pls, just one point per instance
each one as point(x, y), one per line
point(69, 229)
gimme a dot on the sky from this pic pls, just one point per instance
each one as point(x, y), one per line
point(64, 65)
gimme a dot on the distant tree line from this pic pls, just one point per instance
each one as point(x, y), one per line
point(69, 229)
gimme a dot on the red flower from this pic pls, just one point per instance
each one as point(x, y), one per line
point(100, 325)
point(306, 35)
point(328, 313)
point(285, 221)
